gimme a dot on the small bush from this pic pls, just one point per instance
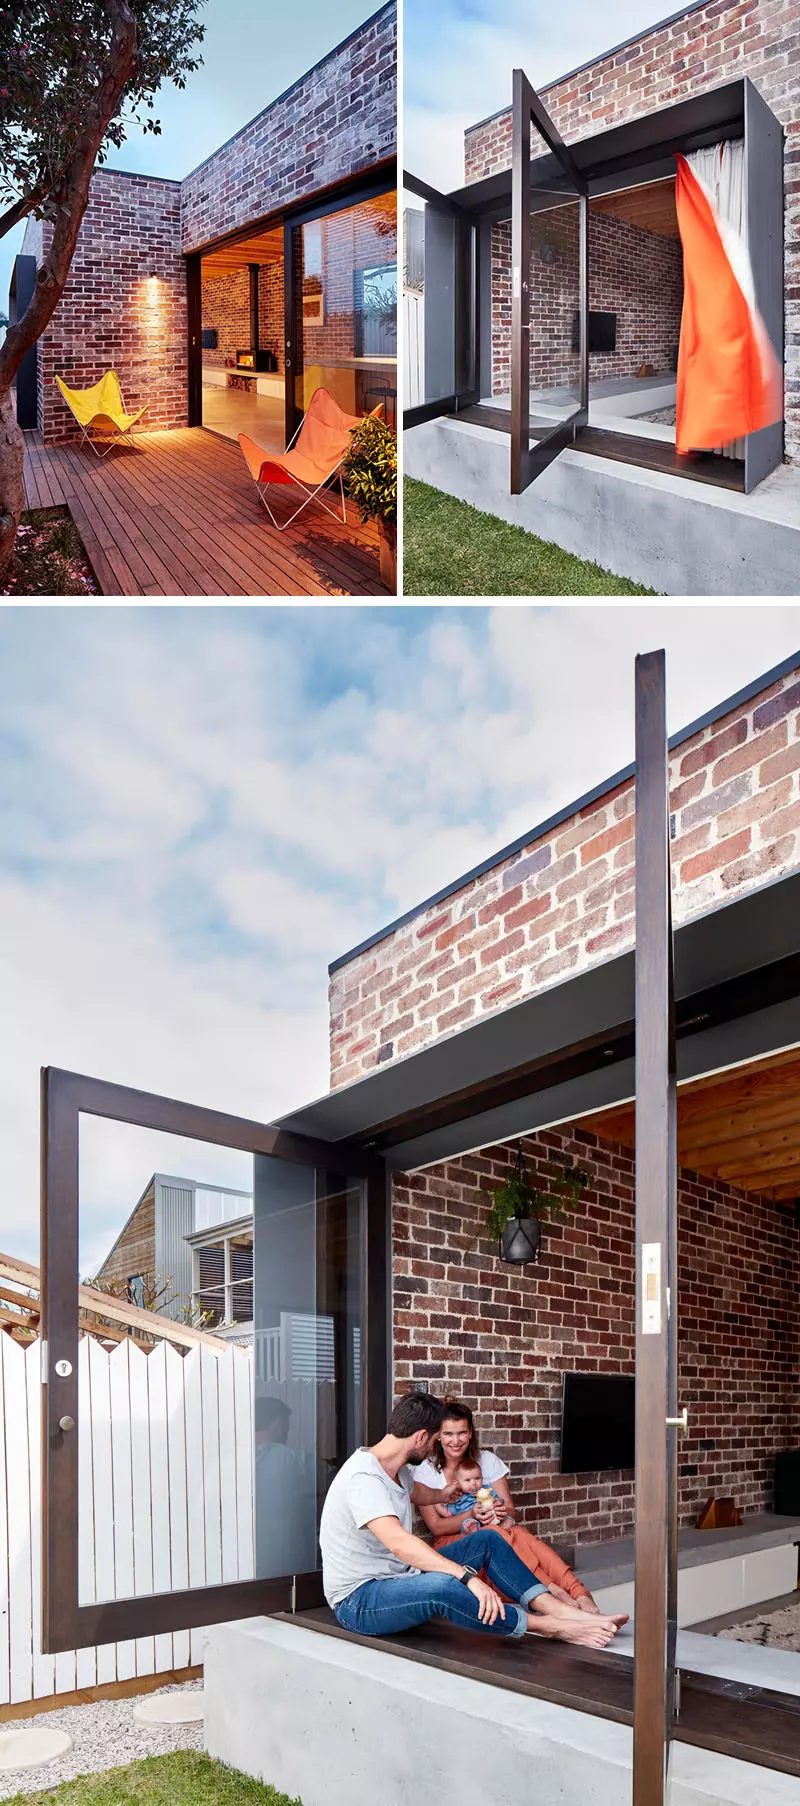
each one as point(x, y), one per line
point(371, 470)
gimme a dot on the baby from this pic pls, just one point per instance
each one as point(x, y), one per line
point(470, 1479)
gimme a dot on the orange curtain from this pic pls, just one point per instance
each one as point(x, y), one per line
point(729, 379)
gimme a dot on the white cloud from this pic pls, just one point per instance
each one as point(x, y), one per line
point(206, 806)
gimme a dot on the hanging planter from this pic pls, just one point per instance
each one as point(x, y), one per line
point(519, 1207)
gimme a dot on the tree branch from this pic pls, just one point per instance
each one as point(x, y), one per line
point(20, 210)
point(72, 198)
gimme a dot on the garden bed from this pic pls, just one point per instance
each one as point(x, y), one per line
point(50, 557)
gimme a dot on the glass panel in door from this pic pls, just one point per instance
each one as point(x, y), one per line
point(344, 275)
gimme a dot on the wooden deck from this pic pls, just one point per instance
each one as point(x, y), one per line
point(179, 516)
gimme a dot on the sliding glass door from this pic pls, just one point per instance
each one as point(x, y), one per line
point(341, 307)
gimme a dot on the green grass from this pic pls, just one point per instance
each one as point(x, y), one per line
point(451, 549)
point(186, 1778)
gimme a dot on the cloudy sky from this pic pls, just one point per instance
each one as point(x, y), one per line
point(459, 55)
point(253, 50)
point(201, 807)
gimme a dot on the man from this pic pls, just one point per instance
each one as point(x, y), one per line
point(286, 1529)
point(379, 1578)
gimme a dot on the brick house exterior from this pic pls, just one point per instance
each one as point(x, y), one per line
point(703, 46)
point(554, 904)
point(635, 273)
point(335, 122)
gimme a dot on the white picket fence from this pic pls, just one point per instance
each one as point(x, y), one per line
point(413, 348)
point(165, 1500)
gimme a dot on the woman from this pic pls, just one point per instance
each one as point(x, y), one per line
point(437, 1484)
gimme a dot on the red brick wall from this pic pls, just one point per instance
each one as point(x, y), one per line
point(502, 1336)
point(636, 274)
point(111, 315)
point(703, 48)
point(565, 900)
point(338, 119)
point(226, 308)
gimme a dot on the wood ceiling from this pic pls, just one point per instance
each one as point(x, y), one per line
point(259, 247)
point(741, 1126)
point(651, 207)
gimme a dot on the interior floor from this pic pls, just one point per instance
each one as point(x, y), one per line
point(232, 411)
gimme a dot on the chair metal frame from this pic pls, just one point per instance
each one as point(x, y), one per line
point(310, 494)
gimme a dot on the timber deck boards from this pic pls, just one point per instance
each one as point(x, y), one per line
point(178, 515)
point(753, 1724)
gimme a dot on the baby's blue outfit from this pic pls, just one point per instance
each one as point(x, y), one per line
point(467, 1502)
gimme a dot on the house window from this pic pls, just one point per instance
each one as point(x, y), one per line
point(223, 1289)
point(135, 1284)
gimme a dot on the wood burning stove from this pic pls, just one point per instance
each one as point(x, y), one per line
point(256, 360)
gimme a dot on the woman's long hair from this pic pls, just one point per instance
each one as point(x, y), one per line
point(456, 1409)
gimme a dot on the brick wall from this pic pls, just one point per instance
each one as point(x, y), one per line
point(354, 239)
point(135, 1251)
point(111, 315)
point(271, 311)
point(703, 48)
point(502, 1336)
point(636, 274)
point(338, 119)
point(565, 900)
point(226, 307)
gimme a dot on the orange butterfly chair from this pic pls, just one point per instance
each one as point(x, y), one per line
point(323, 441)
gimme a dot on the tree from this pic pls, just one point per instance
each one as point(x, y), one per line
point(67, 67)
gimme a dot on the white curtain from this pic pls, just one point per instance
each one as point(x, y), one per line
point(720, 168)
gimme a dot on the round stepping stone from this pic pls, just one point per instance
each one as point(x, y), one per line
point(32, 1747)
point(170, 1708)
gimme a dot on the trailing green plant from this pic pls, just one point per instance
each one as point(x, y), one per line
point(371, 470)
point(520, 1196)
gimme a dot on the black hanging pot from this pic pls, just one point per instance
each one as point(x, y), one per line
point(521, 1240)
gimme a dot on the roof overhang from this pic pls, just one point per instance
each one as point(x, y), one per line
point(569, 1050)
point(643, 148)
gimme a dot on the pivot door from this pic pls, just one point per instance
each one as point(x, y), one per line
point(183, 1480)
point(549, 365)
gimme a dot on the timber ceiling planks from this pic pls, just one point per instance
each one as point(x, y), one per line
point(742, 1126)
point(651, 207)
point(259, 247)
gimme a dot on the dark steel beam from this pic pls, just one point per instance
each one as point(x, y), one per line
point(520, 281)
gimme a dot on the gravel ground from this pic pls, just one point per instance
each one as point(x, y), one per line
point(773, 1630)
point(104, 1735)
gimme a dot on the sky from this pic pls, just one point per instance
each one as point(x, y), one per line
point(201, 807)
point(459, 55)
point(253, 49)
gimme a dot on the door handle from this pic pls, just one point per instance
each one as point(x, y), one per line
point(680, 1423)
point(66, 1423)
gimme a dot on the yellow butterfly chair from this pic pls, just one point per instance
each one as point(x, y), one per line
point(101, 410)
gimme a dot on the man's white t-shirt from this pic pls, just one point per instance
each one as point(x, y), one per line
point(492, 1468)
point(361, 1491)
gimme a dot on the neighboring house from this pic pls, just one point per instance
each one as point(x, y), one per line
point(193, 1240)
point(547, 395)
point(224, 299)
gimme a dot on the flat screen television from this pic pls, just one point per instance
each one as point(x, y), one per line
point(598, 1424)
point(602, 332)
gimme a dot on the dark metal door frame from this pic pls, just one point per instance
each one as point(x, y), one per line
point(656, 1251)
point(466, 307)
point(361, 188)
point(528, 461)
point(66, 1624)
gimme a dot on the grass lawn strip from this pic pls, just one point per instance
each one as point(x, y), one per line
point(186, 1778)
point(452, 549)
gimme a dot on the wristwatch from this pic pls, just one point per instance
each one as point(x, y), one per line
point(468, 1575)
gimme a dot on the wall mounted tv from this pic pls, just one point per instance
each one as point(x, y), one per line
point(598, 1413)
point(602, 332)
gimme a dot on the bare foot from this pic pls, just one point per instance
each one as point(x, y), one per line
point(589, 1633)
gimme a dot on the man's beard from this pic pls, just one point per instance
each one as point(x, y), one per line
point(416, 1460)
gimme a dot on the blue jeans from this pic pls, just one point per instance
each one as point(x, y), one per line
point(380, 1607)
